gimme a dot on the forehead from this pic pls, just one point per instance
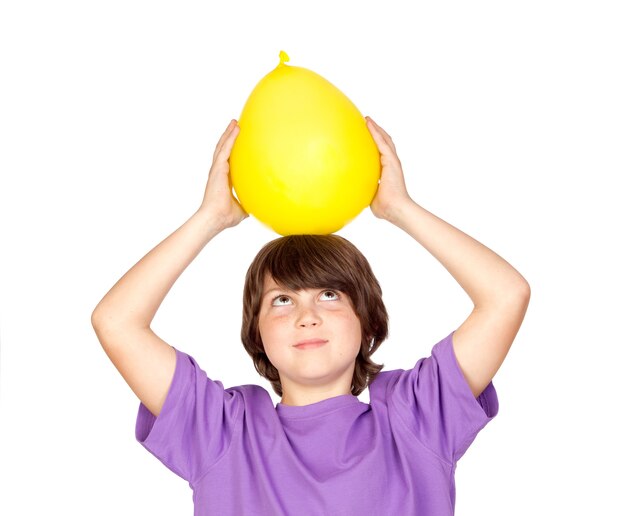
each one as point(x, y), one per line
point(269, 283)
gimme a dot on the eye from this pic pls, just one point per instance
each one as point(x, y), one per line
point(329, 295)
point(281, 300)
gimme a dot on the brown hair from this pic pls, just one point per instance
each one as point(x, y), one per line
point(316, 261)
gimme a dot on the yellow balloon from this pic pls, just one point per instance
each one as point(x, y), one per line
point(304, 161)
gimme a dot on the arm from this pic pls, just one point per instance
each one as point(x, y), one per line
point(499, 293)
point(122, 318)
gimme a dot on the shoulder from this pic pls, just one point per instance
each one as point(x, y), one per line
point(425, 370)
point(190, 375)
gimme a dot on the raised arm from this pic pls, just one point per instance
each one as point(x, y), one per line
point(499, 293)
point(122, 318)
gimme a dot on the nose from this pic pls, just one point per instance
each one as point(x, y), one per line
point(308, 317)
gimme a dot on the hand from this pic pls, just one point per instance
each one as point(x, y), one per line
point(392, 190)
point(219, 200)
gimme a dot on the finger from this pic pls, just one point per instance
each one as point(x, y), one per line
point(388, 140)
point(231, 125)
point(384, 146)
point(224, 136)
point(227, 144)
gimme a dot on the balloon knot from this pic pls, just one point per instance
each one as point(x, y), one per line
point(284, 58)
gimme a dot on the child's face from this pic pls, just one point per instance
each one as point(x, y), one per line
point(311, 336)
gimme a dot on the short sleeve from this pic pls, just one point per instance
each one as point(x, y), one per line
point(196, 423)
point(437, 403)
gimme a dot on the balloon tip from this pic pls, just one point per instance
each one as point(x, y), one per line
point(284, 58)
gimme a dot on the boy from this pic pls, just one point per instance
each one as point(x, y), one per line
point(320, 451)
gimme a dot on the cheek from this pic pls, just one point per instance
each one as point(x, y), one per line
point(358, 335)
point(266, 335)
point(353, 325)
point(352, 331)
point(270, 331)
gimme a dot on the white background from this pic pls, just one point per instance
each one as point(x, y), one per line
point(509, 119)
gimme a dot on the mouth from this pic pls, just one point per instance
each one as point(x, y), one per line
point(310, 343)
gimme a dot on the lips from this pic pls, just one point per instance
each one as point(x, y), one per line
point(310, 343)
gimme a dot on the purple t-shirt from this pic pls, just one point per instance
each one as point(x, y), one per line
point(394, 456)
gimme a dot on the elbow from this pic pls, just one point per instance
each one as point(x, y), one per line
point(522, 291)
point(101, 324)
point(107, 321)
point(516, 289)
point(99, 317)
point(96, 319)
point(104, 321)
point(518, 297)
point(108, 329)
point(514, 297)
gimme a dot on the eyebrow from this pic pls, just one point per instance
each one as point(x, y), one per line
point(265, 294)
point(285, 289)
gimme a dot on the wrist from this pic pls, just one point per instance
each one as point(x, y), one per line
point(398, 211)
point(209, 222)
